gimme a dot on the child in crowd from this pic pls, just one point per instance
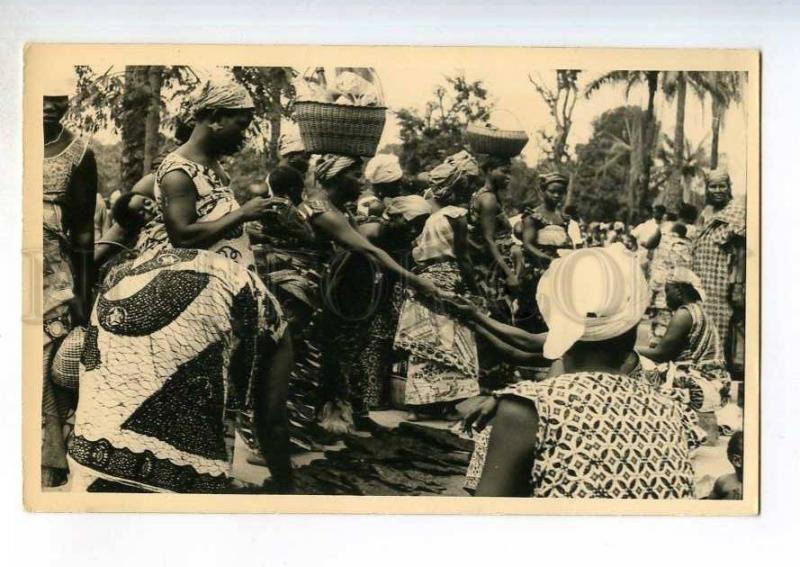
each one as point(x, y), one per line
point(729, 486)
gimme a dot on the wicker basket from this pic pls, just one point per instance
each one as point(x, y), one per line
point(502, 143)
point(66, 362)
point(340, 129)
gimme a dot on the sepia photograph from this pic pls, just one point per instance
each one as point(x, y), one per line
point(471, 280)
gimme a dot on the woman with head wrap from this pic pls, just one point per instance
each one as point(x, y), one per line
point(494, 257)
point(690, 357)
point(592, 301)
point(385, 178)
point(443, 358)
point(184, 336)
point(69, 198)
point(342, 323)
point(491, 239)
point(718, 257)
point(545, 231)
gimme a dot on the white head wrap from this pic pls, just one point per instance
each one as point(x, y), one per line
point(383, 168)
point(685, 275)
point(290, 140)
point(591, 294)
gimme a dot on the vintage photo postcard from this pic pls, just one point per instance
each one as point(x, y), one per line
point(391, 280)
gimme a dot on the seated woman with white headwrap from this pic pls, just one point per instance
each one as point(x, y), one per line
point(594, 431)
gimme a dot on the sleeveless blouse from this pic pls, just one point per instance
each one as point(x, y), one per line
point(215, 199)
point(549, 235)
point(437, 240)
point(703, 343)
point(58, 280)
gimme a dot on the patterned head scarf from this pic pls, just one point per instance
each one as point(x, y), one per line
point(222, 95)
point(290, 141)
point(383, 168)
point(591, 294)
point(330, 165)
point(553, 177)
point(687, 276)
point(410, 206)
point(718, 175)
point(444, 177)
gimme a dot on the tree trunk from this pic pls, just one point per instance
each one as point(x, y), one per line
point(716, 121)
point(569, 199)
point(648, 137)
point(635, 172)
point(153, 120)
point(274, 139)
point(675, 187)
point(134, 106)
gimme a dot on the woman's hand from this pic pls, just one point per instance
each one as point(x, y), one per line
point(477, 418)
point(462, 306)
point(254, 208)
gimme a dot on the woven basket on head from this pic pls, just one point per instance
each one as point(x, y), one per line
point(484, 139)
point(66, 362)
point(328, 128)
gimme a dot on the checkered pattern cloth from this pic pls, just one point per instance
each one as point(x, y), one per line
point(712, 261)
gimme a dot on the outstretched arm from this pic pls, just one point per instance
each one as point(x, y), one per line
point(508, 333)
point(334, 224)
point(509, 352)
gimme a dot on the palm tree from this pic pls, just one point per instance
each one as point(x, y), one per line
point(626, 148)
point(675, 85)
point(727, 90)
point(687, 167)
point(642, 161)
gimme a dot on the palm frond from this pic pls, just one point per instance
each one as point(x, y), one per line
point(603, 80)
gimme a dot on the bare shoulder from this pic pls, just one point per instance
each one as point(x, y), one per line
point(177, 183)
point(487, 200)
point(517, 412)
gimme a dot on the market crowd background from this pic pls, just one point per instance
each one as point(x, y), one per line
point(622, 136)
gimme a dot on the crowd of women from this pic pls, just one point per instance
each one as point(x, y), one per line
point(283, 318)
